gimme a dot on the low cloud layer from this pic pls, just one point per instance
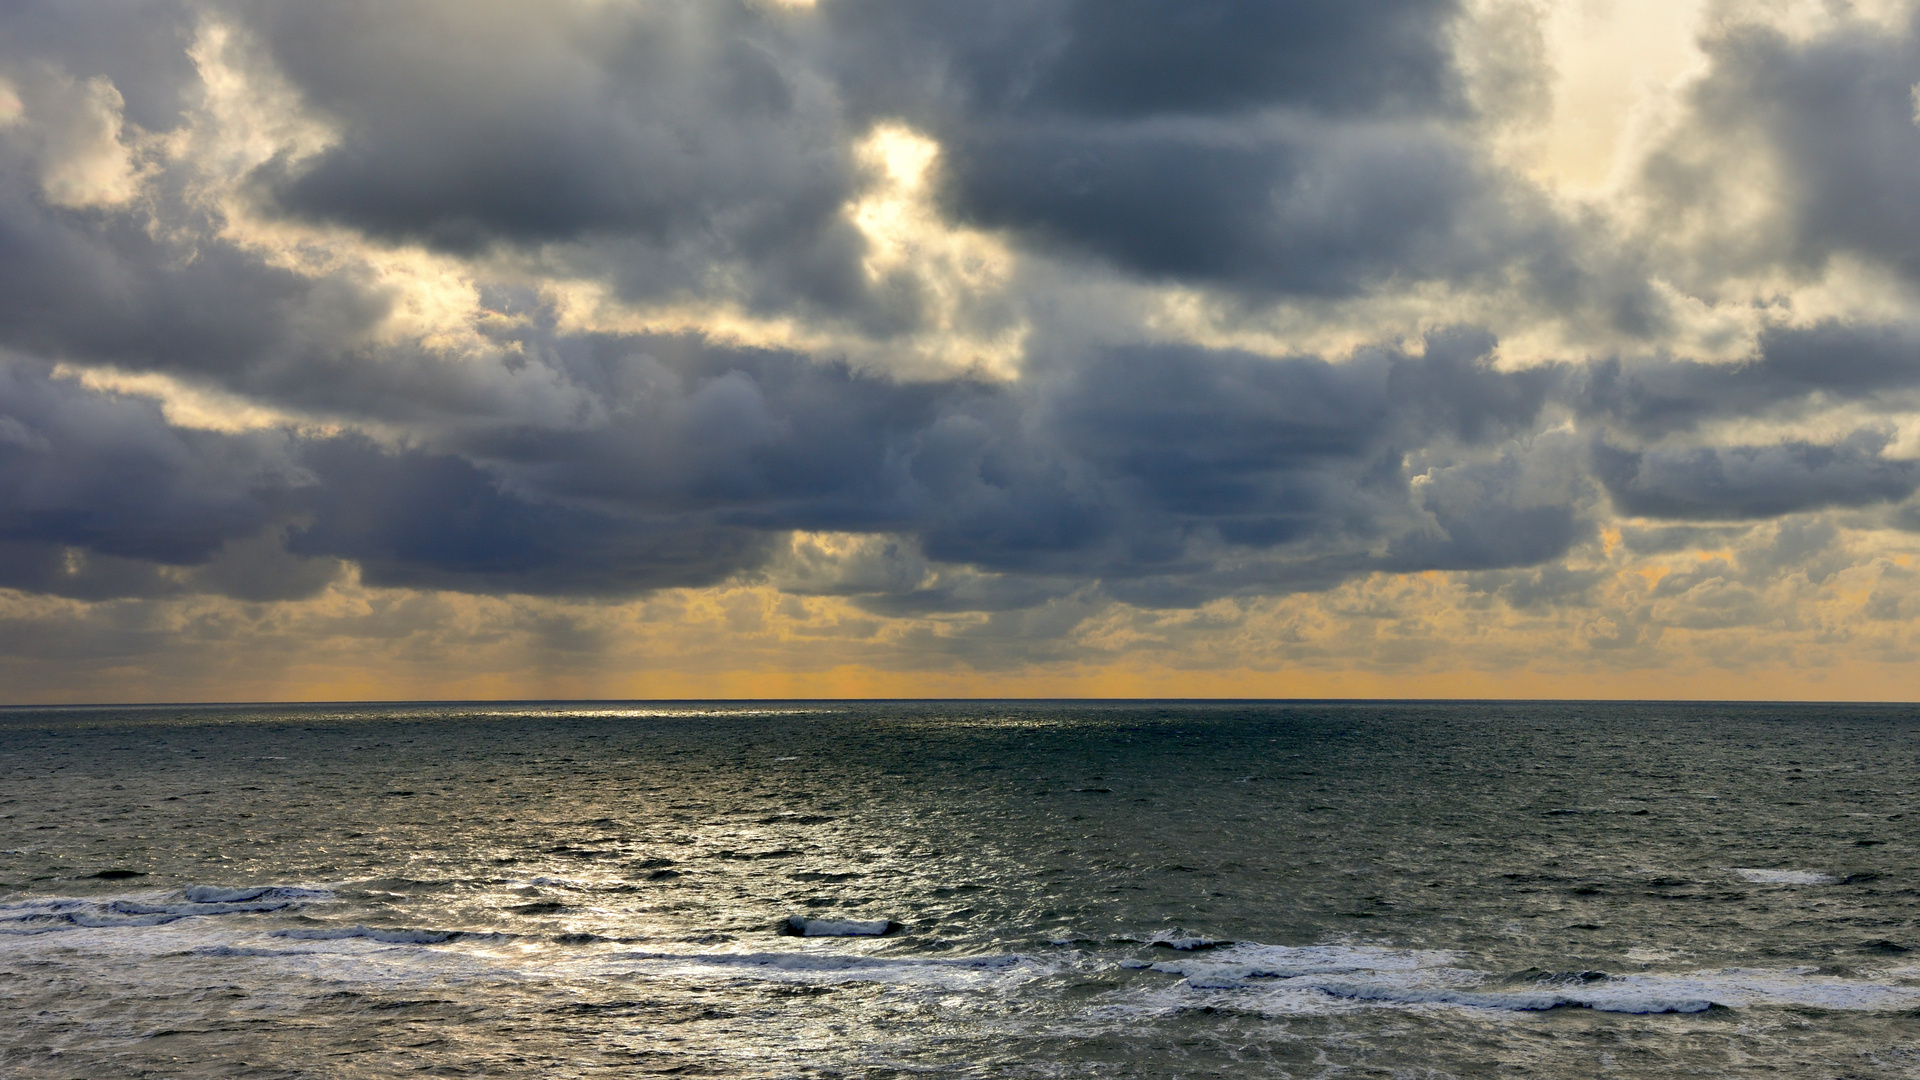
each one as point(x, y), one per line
point(968, 335)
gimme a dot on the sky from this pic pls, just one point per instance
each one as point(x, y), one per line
point(763, 348)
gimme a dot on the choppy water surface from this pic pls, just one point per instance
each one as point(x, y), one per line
point(1150, 890)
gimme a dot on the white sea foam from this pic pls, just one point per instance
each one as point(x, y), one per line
point(153, 908)
point(1784, 877)
point(397, 936)
point(215, 894)
point(1253, 960)
point(249, 951)
point(799, 961)
point(1182, 941)
point(1408, 977)
point(407, 956)
point(837, 966)
point(1618, 1000)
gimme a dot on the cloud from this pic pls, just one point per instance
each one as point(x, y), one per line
point(1310, 150)
point(139, 47)
point(1148, 57)
point(109, 475)
point(536, 124)
point(1796, 372)
point(1522, 509)
point(669, 148)
point(435, 521)
point(1292, 207)
point(86, 163)
point(1743, 482)
point(1131, 464)
point(1016, 333)
point(1823, 129)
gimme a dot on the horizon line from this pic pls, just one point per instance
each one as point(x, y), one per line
point(482, 702)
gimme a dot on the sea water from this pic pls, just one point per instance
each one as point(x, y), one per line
point(968, 889)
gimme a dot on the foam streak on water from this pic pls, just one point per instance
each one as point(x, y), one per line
point(979, 890)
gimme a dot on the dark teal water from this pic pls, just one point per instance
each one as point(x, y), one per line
point(1068, 889)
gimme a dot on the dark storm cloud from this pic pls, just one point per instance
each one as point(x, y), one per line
point(61, 570)
point(1797, 370)
point(1486, 521)
point(113, 286)
point(1116, 58)
point(1150, 466)
point(140, 46)
point(693, 135)
point(102, 289)
point(769, 438)
point(1737, 482)
point(1172, 474)
point(436, 521)
point(534, 124)
point(716, 134)
point(100, 497)
point(96, 490)
point(1134, 463)
point(720, 132)
point(1828, 122)
point(1285, 148)
point(1262, 452)
point(1310, 149)
point(1306, 210)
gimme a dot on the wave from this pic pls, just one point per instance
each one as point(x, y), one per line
point(999, 974)
point(52, 914)
point(216, 894)
point(1409, 977)
point(1255, 961)
point(1784, 877)
point(1176, 939)
point(801, 926)
point(835, 962)
point(386, 935)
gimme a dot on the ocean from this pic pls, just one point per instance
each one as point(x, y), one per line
point(965, 889)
